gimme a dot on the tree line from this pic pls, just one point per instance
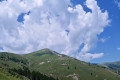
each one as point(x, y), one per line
point(32, 75)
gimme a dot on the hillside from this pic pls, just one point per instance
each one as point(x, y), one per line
point(10, 60)
point(16, 67)
point(66, 68)
point(5, 75)
point(114, 66)
point(43, 64)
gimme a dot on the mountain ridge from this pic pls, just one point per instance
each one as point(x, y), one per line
point(58, 66)
point(66, 68)
point(114, 66)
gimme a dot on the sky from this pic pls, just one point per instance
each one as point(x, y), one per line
point(84, 29)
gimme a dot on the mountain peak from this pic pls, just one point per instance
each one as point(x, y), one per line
point(43, 52)
point(45, 49)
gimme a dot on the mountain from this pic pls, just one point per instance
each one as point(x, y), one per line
point(5, 75)
point(16, 67)
point(114, 66)
point(46, 64)
point(9, 61)
point(63, 67)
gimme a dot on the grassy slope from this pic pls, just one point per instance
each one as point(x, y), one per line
point(66, 68)
point(11, 61)
point(4, 75)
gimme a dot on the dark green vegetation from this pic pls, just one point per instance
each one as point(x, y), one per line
point(32, 75)
point(45, 64)
point(5, 75)
point(10, 61)
point(16, 67)
point(114, 66)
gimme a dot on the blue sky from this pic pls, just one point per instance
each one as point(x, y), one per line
point(37, 26)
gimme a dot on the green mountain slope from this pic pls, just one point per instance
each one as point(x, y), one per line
point(18, 66)
point(50, 63)
point(114, 66)
point(10, 60)
point(66, 68)
point(5, 75)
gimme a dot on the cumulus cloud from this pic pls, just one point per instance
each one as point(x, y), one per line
point(52, 24)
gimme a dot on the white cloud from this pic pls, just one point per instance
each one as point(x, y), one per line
point(46, 27)
point(89, 56)
point(118, 49)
